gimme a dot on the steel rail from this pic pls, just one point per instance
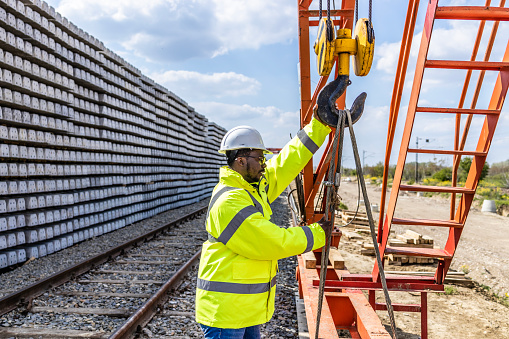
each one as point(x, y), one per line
point(144, 314)
point(26, 294)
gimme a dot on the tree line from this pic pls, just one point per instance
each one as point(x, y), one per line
point(497, 172)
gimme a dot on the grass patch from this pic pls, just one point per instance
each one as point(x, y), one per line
point(490, 295)
point(465, 269)
point(450, 290)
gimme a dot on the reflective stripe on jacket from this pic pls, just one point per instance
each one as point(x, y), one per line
point(237, 275)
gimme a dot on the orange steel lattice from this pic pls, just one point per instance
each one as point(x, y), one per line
point(342, 306)
point(345, 309)
point(307, 18)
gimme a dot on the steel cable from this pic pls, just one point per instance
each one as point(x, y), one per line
point(356, 13)
point(331, 191)
point(332, 186)
point(360, 175)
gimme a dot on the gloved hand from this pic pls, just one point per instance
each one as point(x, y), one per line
point(326, 225)
point(315, 115)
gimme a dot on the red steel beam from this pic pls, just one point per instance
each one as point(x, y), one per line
point(473, 13)
point(345, 15)
point(346, 309)
point(470, 65)
point(333, 12)
point(371, 285)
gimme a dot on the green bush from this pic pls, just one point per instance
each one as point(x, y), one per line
point(445, 174)
point(450, 290)
point(464, 168)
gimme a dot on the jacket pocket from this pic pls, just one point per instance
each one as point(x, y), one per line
point(254, 269)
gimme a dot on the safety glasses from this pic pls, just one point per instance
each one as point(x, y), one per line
point(261, 159)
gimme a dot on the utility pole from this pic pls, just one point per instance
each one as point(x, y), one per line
point(363, 157)
point(417, 158)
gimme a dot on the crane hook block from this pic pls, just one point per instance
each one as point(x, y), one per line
point(324, 47)
point(326, 102)
point(365, 38)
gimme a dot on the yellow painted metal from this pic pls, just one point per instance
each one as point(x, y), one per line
point(365, 48)
point(324, 47)
point(344, 46)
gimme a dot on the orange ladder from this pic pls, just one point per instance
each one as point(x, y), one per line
point(347, 282)
point(458, 215)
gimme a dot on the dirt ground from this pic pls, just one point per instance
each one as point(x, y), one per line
point(483, 251)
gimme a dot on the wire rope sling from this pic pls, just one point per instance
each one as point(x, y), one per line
point(329, 45)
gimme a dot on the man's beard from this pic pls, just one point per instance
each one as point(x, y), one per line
point(249, 178)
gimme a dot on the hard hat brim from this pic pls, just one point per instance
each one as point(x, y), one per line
point(265, 151)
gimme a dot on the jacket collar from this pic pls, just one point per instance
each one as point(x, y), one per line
point(229, 177)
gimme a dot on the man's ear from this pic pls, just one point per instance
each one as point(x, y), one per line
point(241, 161)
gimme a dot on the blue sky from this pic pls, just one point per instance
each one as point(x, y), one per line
point(235, 61)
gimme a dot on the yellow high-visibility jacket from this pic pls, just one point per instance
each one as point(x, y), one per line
point(237, 275)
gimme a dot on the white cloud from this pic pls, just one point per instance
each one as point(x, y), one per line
point(169, 30)
point(196, 86)
point(251, 24)
point(274, 124)
point(387, 57)
point(119, 10)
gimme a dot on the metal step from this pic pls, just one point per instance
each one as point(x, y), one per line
point(427, 222)
point(418, 252)
point(452, 152)
point(472, 13)
point(458, 110)
point(471, 65)
point(437, 189)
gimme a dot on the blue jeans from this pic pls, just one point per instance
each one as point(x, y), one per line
point(252, 332)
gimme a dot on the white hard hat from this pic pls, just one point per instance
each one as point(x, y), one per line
point(242, 137)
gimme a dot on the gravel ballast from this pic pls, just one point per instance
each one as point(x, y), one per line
point(176, 318)
point(41, 268)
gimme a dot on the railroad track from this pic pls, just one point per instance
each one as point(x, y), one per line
point(112, 295)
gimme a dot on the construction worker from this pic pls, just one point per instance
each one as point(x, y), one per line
point(237, 276)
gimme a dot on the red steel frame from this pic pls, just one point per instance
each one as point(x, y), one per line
point(347, 309)
point(309, 18)
point(344, 305)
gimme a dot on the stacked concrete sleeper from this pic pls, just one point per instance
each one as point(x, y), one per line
point(88, 144)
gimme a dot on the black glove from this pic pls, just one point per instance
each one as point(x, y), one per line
point(326, 225)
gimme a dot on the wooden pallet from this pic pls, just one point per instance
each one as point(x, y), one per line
point(457, 278)
point(350, 217)
point(335, 259)
point(408, 239)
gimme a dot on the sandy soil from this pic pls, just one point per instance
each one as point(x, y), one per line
point(483, 251)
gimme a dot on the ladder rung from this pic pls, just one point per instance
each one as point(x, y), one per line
point(427, 222)
point(438, 189)
point(472, 65)
point(458, 110)
point(418, 252)
point(436, 151)
point(472, 13)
